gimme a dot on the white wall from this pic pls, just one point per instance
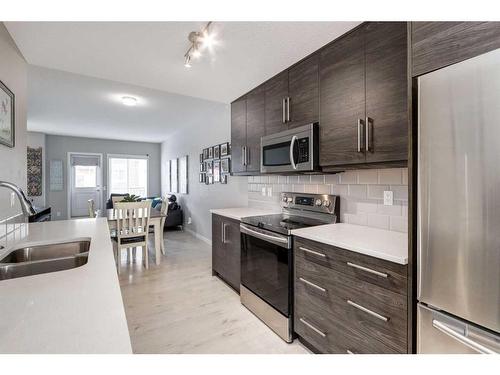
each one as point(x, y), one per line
point(36, 140)
point(13, 73)
point(214, 128)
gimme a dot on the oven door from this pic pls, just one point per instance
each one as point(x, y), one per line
point(266, 266)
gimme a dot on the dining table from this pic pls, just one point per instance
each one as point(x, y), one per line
point(156, 220)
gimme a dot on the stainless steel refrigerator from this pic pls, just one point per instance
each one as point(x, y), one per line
point(459, 208)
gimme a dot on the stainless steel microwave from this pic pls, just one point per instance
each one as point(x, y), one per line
point(290, 151)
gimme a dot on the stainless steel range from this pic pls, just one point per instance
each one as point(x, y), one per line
point(267, 256)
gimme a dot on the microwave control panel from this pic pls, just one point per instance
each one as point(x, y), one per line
point(303, 144)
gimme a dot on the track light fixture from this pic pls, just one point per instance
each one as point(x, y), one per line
point(200, 40)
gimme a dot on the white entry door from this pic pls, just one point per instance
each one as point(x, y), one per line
point(86, 183)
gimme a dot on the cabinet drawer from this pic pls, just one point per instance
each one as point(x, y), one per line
point(330, 335)
point(363, 307)
point(386, 274)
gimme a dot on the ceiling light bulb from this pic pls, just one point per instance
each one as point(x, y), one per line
point(208, 40)
point(187, 63)
point(196, 53)
point(129, 101)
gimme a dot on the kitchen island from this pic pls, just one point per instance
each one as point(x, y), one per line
point(79, 310)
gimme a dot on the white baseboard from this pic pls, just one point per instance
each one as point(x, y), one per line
point(199, 236)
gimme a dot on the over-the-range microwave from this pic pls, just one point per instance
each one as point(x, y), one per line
point(291, 151)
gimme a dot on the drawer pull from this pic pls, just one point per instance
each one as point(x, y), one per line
point(368, 311)
point(322, 334)
point(312, 284)
point(312, 252)
point(367, 269)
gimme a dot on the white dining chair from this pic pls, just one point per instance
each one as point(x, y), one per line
point(132, 223)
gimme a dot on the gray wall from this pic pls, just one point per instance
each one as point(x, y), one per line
point(214, 128)
point(58, 147)
point(13, 73)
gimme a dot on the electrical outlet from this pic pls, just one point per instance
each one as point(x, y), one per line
point(58, 213)
point(263, 191)
point(12, 199)
point(388, 198)
point(190, 221)
point(270, 191)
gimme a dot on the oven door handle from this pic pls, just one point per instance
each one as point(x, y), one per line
point(265, 237)
point(292, 159)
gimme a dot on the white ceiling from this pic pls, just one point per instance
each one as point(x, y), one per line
point(75, 105)
point(150, 54)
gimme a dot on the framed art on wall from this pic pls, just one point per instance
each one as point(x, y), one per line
point(209, 167)
point(203, 177)
point(216, 152)
point(224, 149)
point(173, 176)
point(7, 118)
point(216, 171)
point(210, 152)
point(205, 153)
point(223, 179)
point(183, 175)
point(225, 165)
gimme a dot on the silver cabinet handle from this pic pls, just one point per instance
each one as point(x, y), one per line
point(283, 113)
point(312, 252)
point(288, 109)
point(243, 154)
point(312, 284)
point(263, 235)
point(368, 134)
point(368, 311)
point(247, 155)
point(321, 333)
point(224, 225)
point(461, 338)
point(292, 160)
point(367, 269)
point(360, 125)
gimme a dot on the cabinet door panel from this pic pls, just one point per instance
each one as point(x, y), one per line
point(218, 250)
point(342, 99)
point(276, 89)
point(303, 82)
point(238, 134)
point(386, 91)
point(255, 128)
point(233, 253)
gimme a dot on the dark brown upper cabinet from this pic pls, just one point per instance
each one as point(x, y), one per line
point(386, 91)
point(247, 127)
point(238, 135)
point(255, 128)
point(342, 106)
point(438, 44)
point(276, 92)
point(363, 91)
point(303, 92)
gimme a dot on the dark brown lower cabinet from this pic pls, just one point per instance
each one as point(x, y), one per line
point(340, 308)
point(226, 250)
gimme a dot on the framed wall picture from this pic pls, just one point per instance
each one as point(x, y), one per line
point(216, 152)
point(223, 179)
point(225, 165)
point(209, 180)
point(216, 171)
point(224, 149)
point(210, 152)
point(7, 117)
point(203, 167)
point(209, 167)
point(201, 158)
point(205, 153)
point(173, 176)
point(183, 174)
point(203, 177)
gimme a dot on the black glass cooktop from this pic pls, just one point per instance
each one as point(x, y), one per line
point(282, 223)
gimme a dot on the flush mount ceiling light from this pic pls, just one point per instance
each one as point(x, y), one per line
point(200, 41)
point(129, 101)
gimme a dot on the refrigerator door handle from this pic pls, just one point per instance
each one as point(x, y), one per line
point(443, 327)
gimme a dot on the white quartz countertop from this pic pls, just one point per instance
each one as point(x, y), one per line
point(73, 311)
point(378, 243)
point(238, 212)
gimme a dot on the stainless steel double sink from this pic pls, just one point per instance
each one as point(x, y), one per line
point(34, 260)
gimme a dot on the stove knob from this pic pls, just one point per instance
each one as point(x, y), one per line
point(326, 203)
point(318, 202)
point(289, 199)
point(285, 199)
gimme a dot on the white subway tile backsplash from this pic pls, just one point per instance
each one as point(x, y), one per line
point(349, 177)
point(368, 176)
point(357, 191)
point(390, 176)
point(360, 192)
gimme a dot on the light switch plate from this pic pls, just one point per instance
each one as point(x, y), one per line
point(388, 198)
point(270, 191)
point(263, 191)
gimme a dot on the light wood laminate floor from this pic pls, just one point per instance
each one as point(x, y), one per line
point(179, 307)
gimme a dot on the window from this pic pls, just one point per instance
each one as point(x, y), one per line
point(128, 174)
point(85, 176)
